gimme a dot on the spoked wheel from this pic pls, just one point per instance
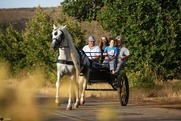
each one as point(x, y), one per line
point(123, 89)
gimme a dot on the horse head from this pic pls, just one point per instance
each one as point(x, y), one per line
point(57, 37)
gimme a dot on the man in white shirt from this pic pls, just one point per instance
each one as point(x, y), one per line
point(92, 51)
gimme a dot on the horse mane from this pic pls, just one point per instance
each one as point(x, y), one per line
point(73, 51)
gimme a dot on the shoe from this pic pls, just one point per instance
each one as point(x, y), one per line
point(81, 74)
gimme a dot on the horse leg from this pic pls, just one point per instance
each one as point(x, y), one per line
point(57, 88)
point(76, 104)
point(71, 96)
point(69, 105)
point(84, 79)
point(82, 87)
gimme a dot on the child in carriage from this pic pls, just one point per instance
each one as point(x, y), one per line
point(110, 53)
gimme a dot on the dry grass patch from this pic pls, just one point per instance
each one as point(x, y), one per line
point(17, 96)
point(168, 89)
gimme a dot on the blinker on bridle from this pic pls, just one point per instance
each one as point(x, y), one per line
point(62, 38)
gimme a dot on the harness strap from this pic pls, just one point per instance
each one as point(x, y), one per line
point(65, 62)
point(64, 46)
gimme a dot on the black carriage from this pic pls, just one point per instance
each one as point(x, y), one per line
point(99, 73)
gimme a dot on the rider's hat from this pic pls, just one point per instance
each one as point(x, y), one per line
point(91, 39)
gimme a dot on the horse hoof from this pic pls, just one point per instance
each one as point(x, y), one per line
point(69, 108)
point(76, 105)
point(57, 102)
point(82, 102)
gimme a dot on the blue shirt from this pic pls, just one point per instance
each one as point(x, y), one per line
point(111, 51)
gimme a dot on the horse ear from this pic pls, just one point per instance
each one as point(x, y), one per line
point(54, 27)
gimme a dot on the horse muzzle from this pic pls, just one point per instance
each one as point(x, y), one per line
point(55, 44)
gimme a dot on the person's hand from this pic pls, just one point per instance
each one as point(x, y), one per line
point(106, 58)
point(122, 57)
point(105, 54)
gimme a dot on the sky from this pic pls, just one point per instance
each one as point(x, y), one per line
point(29, 3)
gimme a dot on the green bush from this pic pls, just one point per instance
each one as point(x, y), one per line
point(10, 48)
point(142, 79)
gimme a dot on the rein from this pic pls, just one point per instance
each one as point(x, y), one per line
point(64, 47)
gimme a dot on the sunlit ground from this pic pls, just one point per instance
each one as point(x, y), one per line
point(18, 96)
point(17, 100)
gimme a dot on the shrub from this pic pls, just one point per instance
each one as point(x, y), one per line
point(142, 79)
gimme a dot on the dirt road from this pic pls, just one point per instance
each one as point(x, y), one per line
point(97, 109)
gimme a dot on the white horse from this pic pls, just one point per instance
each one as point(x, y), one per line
point(68, 63)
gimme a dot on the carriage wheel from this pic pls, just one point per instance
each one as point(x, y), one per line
point(123, 89)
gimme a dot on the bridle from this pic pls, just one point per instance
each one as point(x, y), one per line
point(62, 38)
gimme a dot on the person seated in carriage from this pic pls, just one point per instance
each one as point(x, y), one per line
point(92, 50)
point(110, 53)
point(104, 42)
point(123, 54)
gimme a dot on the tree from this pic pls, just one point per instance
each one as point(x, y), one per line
point(36, 44)
point(82, 9)
point(151, 30)
point(10, 48)
point(74, 27)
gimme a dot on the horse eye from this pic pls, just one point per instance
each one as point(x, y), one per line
point(55, 33)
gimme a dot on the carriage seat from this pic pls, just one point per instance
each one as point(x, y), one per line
point(99, 66)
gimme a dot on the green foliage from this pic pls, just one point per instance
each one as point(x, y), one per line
point(74, 27)
point(36, 44)
point(10, 48)
point(151, 29)
point(82, 9)
point(142, 79)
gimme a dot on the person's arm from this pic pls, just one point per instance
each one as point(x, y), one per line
point(96, 58)
point(124, 57)
point(113, 57)
point(126, 54)
point(98, 53)
point(115, 54)
point(105, 54)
